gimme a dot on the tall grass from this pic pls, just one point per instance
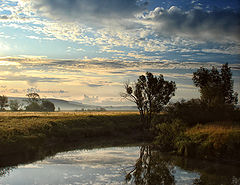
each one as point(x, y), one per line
point(217, 140)
point(27, 131)
point(220, 139)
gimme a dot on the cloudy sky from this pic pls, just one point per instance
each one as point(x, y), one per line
point(86, 49)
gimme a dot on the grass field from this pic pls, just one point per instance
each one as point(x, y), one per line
point(26, 132)
point(65, 114)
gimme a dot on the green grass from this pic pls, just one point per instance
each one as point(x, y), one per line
point(28, 131)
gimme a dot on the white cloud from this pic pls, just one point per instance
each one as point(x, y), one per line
point(228, 50)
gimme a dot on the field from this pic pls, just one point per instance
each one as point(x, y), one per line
point(65, 114)
point(28, 132)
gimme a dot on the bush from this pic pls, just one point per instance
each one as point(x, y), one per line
point(34, 106)
point(47, 106)
point(195, 111)
point(168, 134)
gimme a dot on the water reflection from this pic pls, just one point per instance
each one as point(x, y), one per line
point(117, 165)
point(153, 168)
point(150, 168)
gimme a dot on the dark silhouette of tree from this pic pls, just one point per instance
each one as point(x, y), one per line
point(47, 106)
point(33, 97)
point(3, 102)
point(34, 106)
point(35, 103)
point(216, 87)
point(150, 169)
point(150, 93)
point(15, 105)
point(227, 83)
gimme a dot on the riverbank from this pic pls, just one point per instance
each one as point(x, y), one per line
point(28, 133)
point(35, 134)
point(213, 141)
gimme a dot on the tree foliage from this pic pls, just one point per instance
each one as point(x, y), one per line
point(216, 87)
point(47, 106)
point(35, 103)
point(150, 93)
point(33, 97)
point(34, 106)
point(3, 102)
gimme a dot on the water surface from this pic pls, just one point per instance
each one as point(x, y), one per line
point(107, 166)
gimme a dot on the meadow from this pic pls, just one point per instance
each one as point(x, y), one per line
point(27, 132)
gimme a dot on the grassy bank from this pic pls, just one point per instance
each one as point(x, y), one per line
point(33, 134)
point(217, 140)
point(27, 132)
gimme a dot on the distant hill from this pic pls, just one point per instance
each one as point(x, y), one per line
point(65, 105)
point(62, 104)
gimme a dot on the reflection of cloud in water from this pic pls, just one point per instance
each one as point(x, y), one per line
point(97, 166)
point(184, 177)
point(95, 158)
point(31, 166)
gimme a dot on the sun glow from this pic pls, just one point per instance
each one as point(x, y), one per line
point(7, 63)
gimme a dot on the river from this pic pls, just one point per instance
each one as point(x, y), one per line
point(113, 165)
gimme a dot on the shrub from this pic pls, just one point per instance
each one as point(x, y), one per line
point(195, 111)
point(168, 134)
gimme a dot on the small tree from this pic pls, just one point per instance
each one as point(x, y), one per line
point(15, 105)
point(47, 106)
point(216, 87)
point(3, 102)
point(33, 97)
point(33, 102)
point(34, 106)
point(150, 93)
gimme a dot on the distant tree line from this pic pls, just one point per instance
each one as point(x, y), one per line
point(34, 103)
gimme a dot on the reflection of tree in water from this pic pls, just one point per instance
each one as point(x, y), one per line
point(5, 171)
point(150, 169)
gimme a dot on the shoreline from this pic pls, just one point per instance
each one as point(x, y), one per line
point(26, 134)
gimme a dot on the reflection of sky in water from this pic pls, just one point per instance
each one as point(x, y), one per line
point(97, 166)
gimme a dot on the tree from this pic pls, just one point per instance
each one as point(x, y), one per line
point(150, 93)
point(33, 97)
point(14, 105)
point(33, 102)
point(227, 85)
point(216, 87)
point(47, 106)
point(3, 102)
point(34, 106)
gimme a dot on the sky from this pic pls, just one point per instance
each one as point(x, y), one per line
point(85, 50)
